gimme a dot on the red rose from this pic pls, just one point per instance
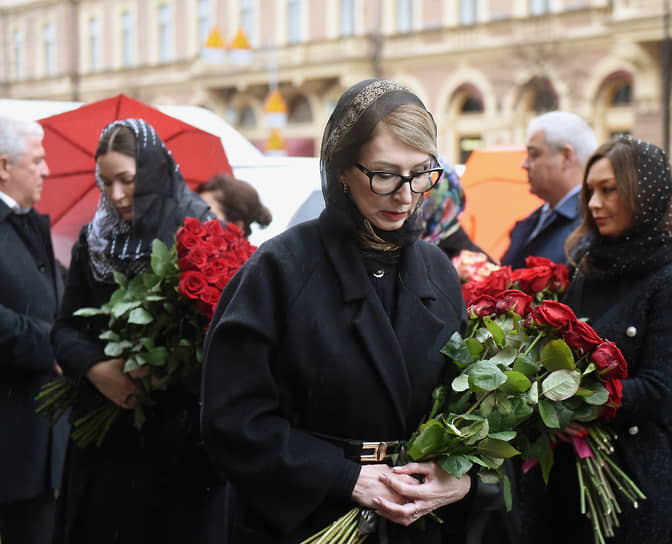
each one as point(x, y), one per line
point(554, 314)
point(559, 279)
point(532, 261)
point(191, 284)
point(214, 269)
point(579, 335)
point(609, 359)
point(532, 280)
point(213, 228)
point(210, 295)
point(496, 282)
point(482, 306)
point(186, 242)
point(218, 246)
point(232, 232)
point(224, 278)
point(193, 226)
point(469, 292)
point(514, 300)
point(196, 259)
point(615, 388)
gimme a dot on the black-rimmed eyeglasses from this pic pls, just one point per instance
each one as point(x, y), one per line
point(386, 183)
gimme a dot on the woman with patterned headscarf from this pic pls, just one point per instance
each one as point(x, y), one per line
point(441, 209)
point(330, 337)
point(138, 486)
point(623, 282)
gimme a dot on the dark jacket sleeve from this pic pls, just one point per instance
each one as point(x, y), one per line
point(24, 341)
point(270, 460)
point(75, 339)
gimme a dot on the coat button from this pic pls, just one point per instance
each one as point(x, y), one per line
point(631, 331)
point(632, 431)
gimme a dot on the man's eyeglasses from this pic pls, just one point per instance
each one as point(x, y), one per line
point(385, 183)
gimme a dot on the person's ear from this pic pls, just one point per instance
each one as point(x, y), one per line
point(568, 155)
point(4, 168)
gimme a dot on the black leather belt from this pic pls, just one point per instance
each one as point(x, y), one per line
point(365, 452)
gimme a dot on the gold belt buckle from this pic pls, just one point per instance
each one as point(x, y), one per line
point(377, 451)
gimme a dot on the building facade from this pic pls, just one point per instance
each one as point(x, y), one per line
point(483, 67)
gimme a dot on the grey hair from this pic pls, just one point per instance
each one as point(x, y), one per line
point(13, 135)
point(565, 128)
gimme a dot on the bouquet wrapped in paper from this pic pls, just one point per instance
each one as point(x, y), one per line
point(157, 323)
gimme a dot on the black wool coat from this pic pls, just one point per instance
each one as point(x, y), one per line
point(138, 487)
point(31, 453)
point(636, 314)
point(301, 344)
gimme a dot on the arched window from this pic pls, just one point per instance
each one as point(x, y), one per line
point(614, 113)
point(540, 96)
point(299, 110)
point(472, 104)
point(247, 118)
point(622, 94)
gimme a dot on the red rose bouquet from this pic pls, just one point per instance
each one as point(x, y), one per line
point(157, 323)
point(526, 372)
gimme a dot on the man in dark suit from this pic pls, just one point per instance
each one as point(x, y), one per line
point(31, 452)
point(559, 144)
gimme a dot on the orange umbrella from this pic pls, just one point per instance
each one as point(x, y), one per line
point(497, 195)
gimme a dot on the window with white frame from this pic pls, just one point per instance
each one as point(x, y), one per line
point(18, 54)
point(127, 38)
point(468, 12)
point(203, 21)
point(247, 18)
point(404, 15)
point(294, 21)
point(347, 17)
point(48, 48)
point(94, 44)
point(539, 7)
point(165, 25)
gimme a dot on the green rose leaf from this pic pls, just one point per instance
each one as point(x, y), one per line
point(533, 394)
point(561, 384)
point(439, 396)
point(460, 383)
point(120, 308)
point(157, 356)
point(557, 355)
point(506, 491)
point(495, 330)
point(486, 376)
point(140, 316)
point(497, 448)
point(599, 396)
point(490, 477)
point(427, 441)
point(115, 349)
point(160, 258)
point(130, 365)
point(457, 465)
point(516, 382)
point(475, 348)
point(505, 357)
point(548, 414)
point(109, 335)
point(120, 279)
point(526, 365)
point(456, 349)
point(504, 435)
point(88, 312)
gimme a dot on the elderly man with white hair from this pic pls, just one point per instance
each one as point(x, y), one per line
point(31, 451)
point(558, 145)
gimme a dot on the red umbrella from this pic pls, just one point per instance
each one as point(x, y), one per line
point(70, 194)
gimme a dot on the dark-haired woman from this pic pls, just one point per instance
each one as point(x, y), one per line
point(330, 336)
point(145, 486)
point(623, 282)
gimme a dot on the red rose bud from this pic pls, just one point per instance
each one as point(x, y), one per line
point(553, 314)
point(559, 279)
point(532, 280)
point(191, 284)
point(513, 300)
point(609, 360)
point(482, 306)
point(615, 388)
point(579, 335)
point(213, 228)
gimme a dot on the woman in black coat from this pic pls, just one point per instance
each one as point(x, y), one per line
point(145, 486)
point(330, 335)
point(623, 283)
